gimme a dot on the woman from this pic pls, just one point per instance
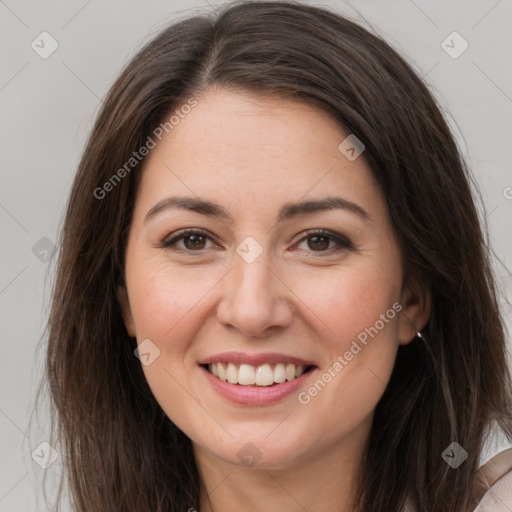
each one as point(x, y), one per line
point(273, 291)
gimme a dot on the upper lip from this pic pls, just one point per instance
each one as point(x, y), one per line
point(255, 359)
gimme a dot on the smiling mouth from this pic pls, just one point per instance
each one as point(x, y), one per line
point(264, 375)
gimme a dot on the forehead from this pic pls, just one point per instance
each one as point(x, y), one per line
point(248, 150)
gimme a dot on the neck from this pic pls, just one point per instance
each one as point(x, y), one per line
point(324, 481)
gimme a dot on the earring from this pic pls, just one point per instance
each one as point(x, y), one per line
point(418, 332)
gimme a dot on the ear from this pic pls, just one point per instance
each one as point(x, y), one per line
point(122, 296)
point(417, 305)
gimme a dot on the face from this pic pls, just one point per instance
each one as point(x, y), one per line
point(264, 282)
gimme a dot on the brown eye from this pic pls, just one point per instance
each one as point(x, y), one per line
point(321, 241)
point(318, 243)
point(191, 240)
point(194, 241)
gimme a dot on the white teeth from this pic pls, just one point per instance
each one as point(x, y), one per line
point(290, 371)
point(263, 375)
point(279, 373)
point(232, 373)
point(221, 371)
point(246, 375)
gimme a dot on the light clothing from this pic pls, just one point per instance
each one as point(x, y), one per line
point(498, 497)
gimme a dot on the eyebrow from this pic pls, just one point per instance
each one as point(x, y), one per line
point(288, 210)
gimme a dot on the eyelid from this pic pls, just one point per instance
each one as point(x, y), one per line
point(343, 243)
point(178, 235)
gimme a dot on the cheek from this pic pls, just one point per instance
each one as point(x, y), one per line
point(165, 300)
point(355, 314)
point(166, 306)
point(346, 302)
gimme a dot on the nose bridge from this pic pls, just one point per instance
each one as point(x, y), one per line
point(254, 297)
point(253, 280)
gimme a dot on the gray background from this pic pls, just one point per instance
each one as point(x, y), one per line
point(48, 106)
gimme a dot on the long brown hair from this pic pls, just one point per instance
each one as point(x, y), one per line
point(120, 451)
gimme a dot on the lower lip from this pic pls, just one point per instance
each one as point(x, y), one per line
point(255, 395)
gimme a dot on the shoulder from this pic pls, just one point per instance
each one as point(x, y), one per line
point(498, 497)
point(494, 480)
point(496, 476)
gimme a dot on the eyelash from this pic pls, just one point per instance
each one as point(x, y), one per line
point(342, 242)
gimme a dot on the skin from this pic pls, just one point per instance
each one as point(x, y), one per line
point(253, 154)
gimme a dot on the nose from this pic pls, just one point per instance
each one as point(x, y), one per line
point(256, 301)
